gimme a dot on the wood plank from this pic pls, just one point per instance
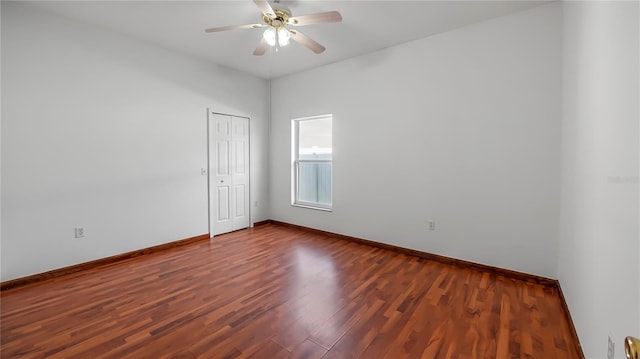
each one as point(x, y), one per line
point(430, 256)
point(39, 277)
point(280, 291)
point(308, 350)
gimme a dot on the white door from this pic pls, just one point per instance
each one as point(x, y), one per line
point(228, 173)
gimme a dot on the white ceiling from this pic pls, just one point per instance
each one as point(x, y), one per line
point(367, 26)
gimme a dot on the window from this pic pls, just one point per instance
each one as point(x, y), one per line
point(312, 162)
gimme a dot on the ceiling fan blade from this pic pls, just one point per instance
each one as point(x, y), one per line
point(317, 18)
point(234, 27)
point(262, 48)
point(306, 41)
point(265, 8)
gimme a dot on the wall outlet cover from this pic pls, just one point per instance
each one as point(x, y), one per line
point(79, 232)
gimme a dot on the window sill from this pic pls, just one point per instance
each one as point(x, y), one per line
point(324, 209)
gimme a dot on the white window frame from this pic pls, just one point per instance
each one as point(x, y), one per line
point(295, 132)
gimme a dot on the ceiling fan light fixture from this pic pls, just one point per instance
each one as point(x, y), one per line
point(270, 36)
point(281, 36)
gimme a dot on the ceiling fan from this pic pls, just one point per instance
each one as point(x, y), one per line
point(277, 33)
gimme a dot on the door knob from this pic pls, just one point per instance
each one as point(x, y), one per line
point(221, 181)
point(632, 347)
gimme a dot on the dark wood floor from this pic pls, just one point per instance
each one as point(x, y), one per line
point(279, 292)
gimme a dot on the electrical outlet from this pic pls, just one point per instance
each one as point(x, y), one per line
point(432, 225)
point(79, 232)
point(611, 349)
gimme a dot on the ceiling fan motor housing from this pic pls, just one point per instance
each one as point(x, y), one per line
point(281, 18)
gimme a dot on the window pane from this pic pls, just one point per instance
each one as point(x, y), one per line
point(314, 139)
point(314, 182)
point(312, 162)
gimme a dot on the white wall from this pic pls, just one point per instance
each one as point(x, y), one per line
point(462, 128)
point(0, 142)
point(599, 263)
point(108, 133)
